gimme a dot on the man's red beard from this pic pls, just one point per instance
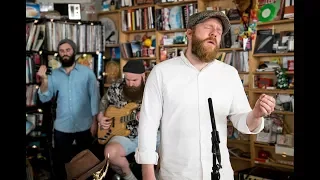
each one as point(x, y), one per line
point(202, 51)
point(134, 93)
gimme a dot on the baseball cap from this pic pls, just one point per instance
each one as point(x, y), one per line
point(199, 17)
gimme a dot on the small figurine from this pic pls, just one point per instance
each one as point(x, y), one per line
point(291, 85)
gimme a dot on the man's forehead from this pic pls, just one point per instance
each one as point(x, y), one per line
point(215, 19)
point(129, 75)
point(65, 46)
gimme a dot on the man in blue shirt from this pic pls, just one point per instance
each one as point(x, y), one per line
point(77, 104)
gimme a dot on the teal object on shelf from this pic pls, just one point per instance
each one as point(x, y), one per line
point(29, 127)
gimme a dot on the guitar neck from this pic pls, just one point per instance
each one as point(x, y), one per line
point(128, 118)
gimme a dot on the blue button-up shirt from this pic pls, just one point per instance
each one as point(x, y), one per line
point(78, 98)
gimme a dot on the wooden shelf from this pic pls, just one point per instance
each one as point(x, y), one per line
point(271, 73)
point(140, 58)
point(231, 49)
point(284, 21)
point(275, 165)
point(101, 13)
point(172, 31)
point(137, 7)
point(112, 45)
point(240, 158)
point(173, 45)
point(238, 141)
point(273, 91)
point(273, 54)
point(139, 31)
point(235, 21)
point(263, 145)
point(161, 5)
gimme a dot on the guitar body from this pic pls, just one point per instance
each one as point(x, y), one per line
point(121, 116)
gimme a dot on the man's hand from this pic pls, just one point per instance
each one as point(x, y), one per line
point(42, 72)
point(264, 106)
point(138, 115)
point(151, 177)
point(148, 172)
point(104, 122)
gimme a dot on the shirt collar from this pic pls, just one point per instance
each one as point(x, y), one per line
point(76, 67)
point(188, 63)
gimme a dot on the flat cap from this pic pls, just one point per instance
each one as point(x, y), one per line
point(199, 17)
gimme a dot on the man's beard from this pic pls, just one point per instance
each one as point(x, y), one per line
point(67, 61)
point(204, 53)
point(134, 93)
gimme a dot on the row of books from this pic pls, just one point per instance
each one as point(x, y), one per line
point(31, 94)
point(35, 34)
point(238, 59)
point(88, 37)
point(175, 17)
point(32, 62)
point(138, 19)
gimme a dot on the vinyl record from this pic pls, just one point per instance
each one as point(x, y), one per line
point(267, 13)
point(110, 31)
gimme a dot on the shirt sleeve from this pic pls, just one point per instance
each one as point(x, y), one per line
point(104, 102)
point(94, 93)
point(240, 108)
point(47, 95)
point(150, 115)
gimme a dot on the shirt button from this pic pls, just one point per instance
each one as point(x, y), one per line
point(70, 99)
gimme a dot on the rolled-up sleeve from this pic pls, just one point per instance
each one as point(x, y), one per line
point(104, 102)
point(150, 115)
point(240, 109)
point(47, 95)
point(94, 93)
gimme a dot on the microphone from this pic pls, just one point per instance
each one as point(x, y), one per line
point(215, 145)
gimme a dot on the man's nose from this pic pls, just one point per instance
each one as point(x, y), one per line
point(213, 34)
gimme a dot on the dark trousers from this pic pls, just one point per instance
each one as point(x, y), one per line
point(64, 151)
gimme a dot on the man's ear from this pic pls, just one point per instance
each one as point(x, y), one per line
point(189, 33)
point(144, 77)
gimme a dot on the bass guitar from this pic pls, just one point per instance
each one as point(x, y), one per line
point(119, 117)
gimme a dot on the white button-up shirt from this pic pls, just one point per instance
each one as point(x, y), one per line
point(176, 98)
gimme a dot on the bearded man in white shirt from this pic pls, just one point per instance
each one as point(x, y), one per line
point(176, 98)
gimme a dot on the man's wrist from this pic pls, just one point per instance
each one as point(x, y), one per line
point(99, 116)
point(44, 80)
point(255, 114)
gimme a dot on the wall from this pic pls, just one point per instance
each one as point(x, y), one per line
point(83, 2)
point(66, 1)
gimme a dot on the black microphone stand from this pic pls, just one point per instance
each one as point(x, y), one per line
point(215, 175)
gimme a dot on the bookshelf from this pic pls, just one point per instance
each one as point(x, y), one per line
point(249, 145)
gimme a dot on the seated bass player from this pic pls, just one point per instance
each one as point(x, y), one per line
point(127, 90)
